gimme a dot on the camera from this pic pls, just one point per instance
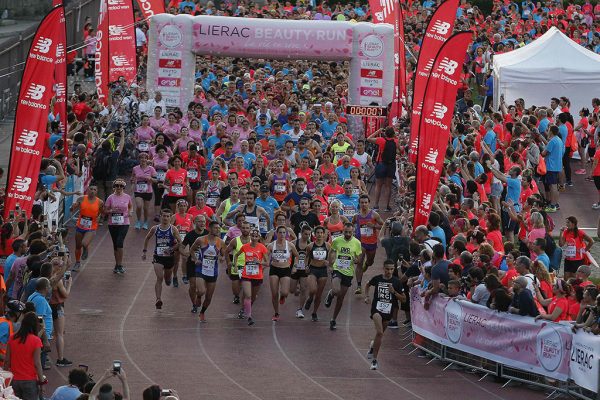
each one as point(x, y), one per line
point(165, 392)
point(117, 366)
point(68, 275)
point(466, 281)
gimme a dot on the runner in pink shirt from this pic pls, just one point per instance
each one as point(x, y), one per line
point(117, 208)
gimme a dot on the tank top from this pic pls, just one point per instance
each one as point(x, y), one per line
point(177, 180)
point(365, 234)
point(279, 188)
point(165, 240)
point(362, 160)
point(319, 253)
point(88, 214)
point(184, 224)
point(209, 262)
point(335, 230)
point(281, 255)
point(252, 218)
point(228, 207)
point(242, 257)
point(213, 191)
point(301, 263)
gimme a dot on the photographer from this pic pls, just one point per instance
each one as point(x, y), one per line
point(394, 240)
point(78, 378)
point(105, 165)
point(104, 391)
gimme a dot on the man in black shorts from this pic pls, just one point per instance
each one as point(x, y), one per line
point(388, 291)
point(188, 241)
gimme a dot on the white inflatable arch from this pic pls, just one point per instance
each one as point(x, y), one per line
point(174, 40)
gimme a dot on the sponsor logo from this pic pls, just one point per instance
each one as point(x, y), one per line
point(169, 82)
point(439, 27)
point(146, 7)
point(371, 73)
point(116, 30)
point(27, 138)
point(21, 184)
point(60, 50)
point(59, 89)
point(116, 2)
point(549, 348)
point(379, 16)
point(166, 63)
point(98, 68)
point(454, 319)
point(425, 204)
point(431, 156)
point(34, 92)
point(120, 61)
point(439, 110)
point(448, 66)
point(170, 36)
point(372, 46)
point(371, 92)
point(43, 45)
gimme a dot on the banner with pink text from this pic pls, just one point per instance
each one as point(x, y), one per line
point(515, 341)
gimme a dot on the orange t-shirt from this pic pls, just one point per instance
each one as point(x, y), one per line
point(253, 267)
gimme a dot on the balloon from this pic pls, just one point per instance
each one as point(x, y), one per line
point(318, 16)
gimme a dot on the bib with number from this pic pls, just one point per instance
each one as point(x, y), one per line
point(160, 175)
point(301, 261)
point(571, 251)
point(163, 251)
point(117, 219)
point(349, 211)
point(279, 188)
point(384, 307)
point(344, 262)
point(141, 187)
point(262, 225)
point(143, 146)
point(253, 222)
point(177, 189)
point(251, 268)
point(85, 222)
point(208, 265)
point(280, 256)
point(366, 231)
point(192, 173)
point(319, 254)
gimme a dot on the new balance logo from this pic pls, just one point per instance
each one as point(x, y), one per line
point(426, 201)
point(116, 30)
point(448, 66)
point(120, 61)
point(27, 138)
point(115, 2)
point(431, 156)
point(59, 89)
point(439, 27)
point(35, 91)
point(43, 45)
point(429, 65)
point(21, 184)
point(60, 50)
point(439, 110)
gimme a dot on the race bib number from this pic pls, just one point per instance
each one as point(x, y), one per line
point(160, 175)
point(356, 191)
point(208, 265)
point(143, 146)
point(141, 187)
point(262, 225)
point(366, 231)
point(279, 188)
point(211, 201)
point(251, 268)
point(177, 190)
point(339, 155)
point(86, 222)
point(163, 251)
point(117, 219)
point(279, 255)
point(344, 262)
point(253, 222)
point(384, 307)
point(192, 174)
point(349, 211)
point(182, 235)
point(301, 262)
point(571, 251)
point(319, 254)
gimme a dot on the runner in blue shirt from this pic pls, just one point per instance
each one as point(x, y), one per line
point(349, 201)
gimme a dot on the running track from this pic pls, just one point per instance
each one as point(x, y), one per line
point(113, 317)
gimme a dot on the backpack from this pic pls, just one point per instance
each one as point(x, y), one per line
point(388, 156)
point(103, 166)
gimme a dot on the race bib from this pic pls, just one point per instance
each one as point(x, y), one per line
point(384, 307)
point(182, 235)
point(251, 268)
point(253, 222)
point(279, 188)
point(349, 211)
point(85, 222)
point(301, 262)
point(117, 219)
point(571, 251)
point(160, 175)
point(262, 225)
point(163, 251)
point(319, 254)
point(192, 174)
point(366, 231)
point(211, 201)
point(356, 191)
point(339, 155)
point(279, 255)
point(177, 189)
point(208, 265)
point(344, 262)
point(143, 146)
point(141, 187)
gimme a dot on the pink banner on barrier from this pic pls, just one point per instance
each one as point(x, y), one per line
point(519, 342)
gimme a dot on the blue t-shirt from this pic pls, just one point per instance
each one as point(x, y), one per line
point(349, 204)
point(544, 259)
point(249, 159)
point(543, 125)
point(270, 205)
point(280, 140)
point(48, 180)
point(513, 191)
point(260, 130)
point(66, 393)
point(562, 129)
point(478, 169)
point(490, 140)
point(555, 149)
point(42, 309)
point(489, 83)
point(328, 128)
point(438, 233)
point(224, 110)
point(343, 173)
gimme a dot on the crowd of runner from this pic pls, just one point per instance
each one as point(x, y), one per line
point(264, 174)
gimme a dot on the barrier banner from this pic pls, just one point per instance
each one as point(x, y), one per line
point(515, 341)
point(585, 360)
point(121, 41)
point(102, 53)
point(436, 118)
point(33, 107)
point(151, 7)
point(438, 31)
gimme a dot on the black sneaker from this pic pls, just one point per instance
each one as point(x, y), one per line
point(374, 365)
point(314, 317)
point(393, 325)
point(168, 282)
point(116, 269)
point(332, 325)
point(185, 280)
point(84, 253)
point(158, 304)
point(194, 309)
point(250, 321)
point(175, 282)
point(241, 314)
point(63, 363)
point(308, 303)
point(329, 298)
point(236, 299)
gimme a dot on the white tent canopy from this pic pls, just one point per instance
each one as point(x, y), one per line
point(551, 66)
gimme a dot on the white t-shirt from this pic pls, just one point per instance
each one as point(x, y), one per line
point(140, 37)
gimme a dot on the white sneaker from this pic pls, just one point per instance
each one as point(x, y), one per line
point(596, 206)
point(299, 314)
point(374, 365)
point(370, 353)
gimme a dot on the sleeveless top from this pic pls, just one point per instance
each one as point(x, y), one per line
point(88, 214)
point(335, 230)
point(165, 240)
point(301, 263)
point(213, 191)
point(281, 255)
point(252, 218)
point(319, 253)
point(209, 260)
point(364, 233)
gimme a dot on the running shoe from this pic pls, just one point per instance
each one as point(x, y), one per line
point(393, 325)
point(185, 280)
point(299, 313)
point(84, 254)
point(63, 363)
point(145, 226)
point(332, 325)
point(275, 317)
point(168, 282)
point(407, 322)
point(120, 269)
point(250, 321)
point(175, 282)
point(282, 300)
point(76, 266)
point(329, 298)
point(596, 206)
point(550, 209)
point(358, 290)
point(370, 352)
point(47, 365)
point(569, 184)
point(202, 317)
point(374, 365)
point(241, 314)
point(580, 172)
point(138, 225)
point(236, 300)
point(194, 309)
point(315, 318)
point(158, 304)
point(561, 188)
point(308, 303)
point(116, 269)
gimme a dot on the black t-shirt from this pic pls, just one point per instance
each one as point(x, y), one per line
point(440, 272)
point(297, 218)
point(383, 300)
point(189, 240)
point(525, 303)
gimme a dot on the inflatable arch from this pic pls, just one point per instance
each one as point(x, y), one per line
point(174, 41)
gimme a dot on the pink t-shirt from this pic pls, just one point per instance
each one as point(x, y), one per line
point(157, 123)
point(196, 135)
point(142, 178)
point(119, 206)
point(171, 130)
point(144, 134)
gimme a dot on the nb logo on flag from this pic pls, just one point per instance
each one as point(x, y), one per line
point(116, 30)
point(120, 61)
point(441, 28)
point(431, 156)
point(35, 91)
point(439, 110)
point(387, 7)
point(27, 138)
point(60, 50)
point(426, 201)
point(429, 65)
point(396, 59)
point(43, 45)
point(448, 66)
point(59, 89)
point(21, 184)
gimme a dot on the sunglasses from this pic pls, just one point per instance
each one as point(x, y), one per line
point(118, 186)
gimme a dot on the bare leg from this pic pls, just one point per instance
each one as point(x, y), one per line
point(380, 326)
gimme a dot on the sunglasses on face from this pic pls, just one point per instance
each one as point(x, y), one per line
point(118, 186)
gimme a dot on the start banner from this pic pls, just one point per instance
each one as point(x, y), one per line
point(515, 341)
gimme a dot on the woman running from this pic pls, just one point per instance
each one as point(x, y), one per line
point(143, 177)
point(317, 260)
point(255, 257)
point(206, 252)
point(335, 222)
point(90, 208)
point(160, 162)
point(279, 182)
point(118, 208)
point(280, 269)
point(176, 182)
point(299, 276)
